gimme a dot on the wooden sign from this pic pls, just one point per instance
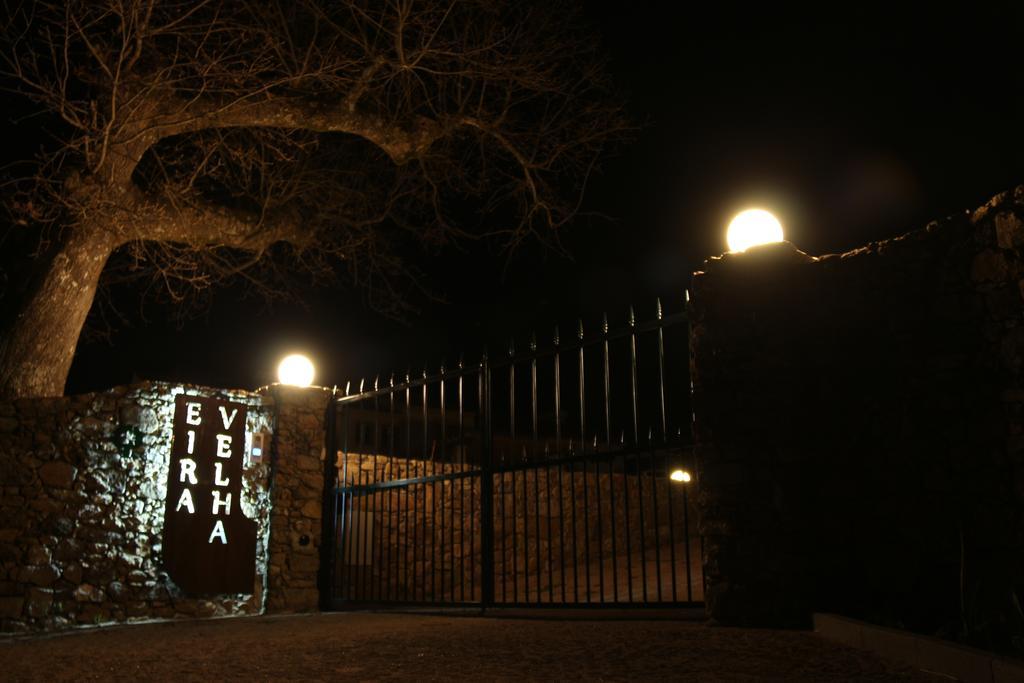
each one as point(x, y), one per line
point(209, 546)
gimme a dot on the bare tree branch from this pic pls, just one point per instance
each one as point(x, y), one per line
point(195, 139)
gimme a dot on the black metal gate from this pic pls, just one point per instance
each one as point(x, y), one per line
point(555, 476)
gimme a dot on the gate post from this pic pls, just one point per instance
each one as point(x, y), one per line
point(486, 494)
point(296, 498)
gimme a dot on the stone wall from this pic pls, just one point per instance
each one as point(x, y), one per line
point(858, 417)
point(553, 536)
point(84, 483)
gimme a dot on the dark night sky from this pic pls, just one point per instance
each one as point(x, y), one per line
point(850, 127)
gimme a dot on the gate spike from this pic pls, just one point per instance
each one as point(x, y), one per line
point(604, 323)
point(362, 381)
point(622, 437)
point(595, 442)
point(632, 317)
point(556, 336)
point(579, 328)
point(376, 382)
point(462, 362)
point(348, 386)
point(657, 301)
point(533, 342)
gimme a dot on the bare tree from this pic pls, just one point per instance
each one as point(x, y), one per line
point(196, 140)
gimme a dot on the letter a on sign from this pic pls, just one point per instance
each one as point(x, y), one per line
point(218, 532)
point(203, 510)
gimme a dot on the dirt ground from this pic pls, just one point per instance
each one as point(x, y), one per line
point(367, 646)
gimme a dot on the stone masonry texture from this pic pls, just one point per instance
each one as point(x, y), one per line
point(83, 482)
point(296, 492)
point(557, 536)
point(858, 418)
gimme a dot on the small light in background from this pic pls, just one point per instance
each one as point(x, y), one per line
point(680, 475)
point(296, 370)
point(753, 227)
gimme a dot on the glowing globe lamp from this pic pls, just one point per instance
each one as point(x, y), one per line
point(680, 475)
point(753, 227)
point(296, 370)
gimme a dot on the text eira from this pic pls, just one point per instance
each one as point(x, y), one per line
point(220, 500)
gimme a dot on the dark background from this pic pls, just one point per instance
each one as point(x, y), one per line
point(851, 126)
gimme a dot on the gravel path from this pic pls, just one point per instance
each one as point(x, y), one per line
point(421, 647)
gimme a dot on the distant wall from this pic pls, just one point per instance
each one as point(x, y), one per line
point(860, 427)
point(424, 541)
point(83, 481)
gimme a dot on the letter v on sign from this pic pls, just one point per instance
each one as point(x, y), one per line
point(227, 420)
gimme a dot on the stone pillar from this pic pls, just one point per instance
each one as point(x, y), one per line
point(858, 423)
point(296, 496)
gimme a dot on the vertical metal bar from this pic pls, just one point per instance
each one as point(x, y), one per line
point(487, 496)
point(428, 456)
point(665, 442)
point(481, 422)
point(671, 528)
point(511, 447)
point(504, 534)
point(329, 503)
point(365, 584)
point(558, 451)
point(441, 509)
point(363, 508)
point(661, 371)
point(533, 461)
point(686, 541)
point(410, 506)
point(393, 499)
point(572, 502)
point(572, 467)
point(462, 493)
point(586, 473)
point(377, 544)
point(632, 369)
point(611, 460)
point(583, 402)
point(586, 528)
point(551, 542)
point(346, 517)
point(626, 529)
point(657, 528)
point(346, 520)
point(636, 444)
point(558, 399)
point(600, 531)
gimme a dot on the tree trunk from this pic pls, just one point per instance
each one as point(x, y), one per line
point(37, 350)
